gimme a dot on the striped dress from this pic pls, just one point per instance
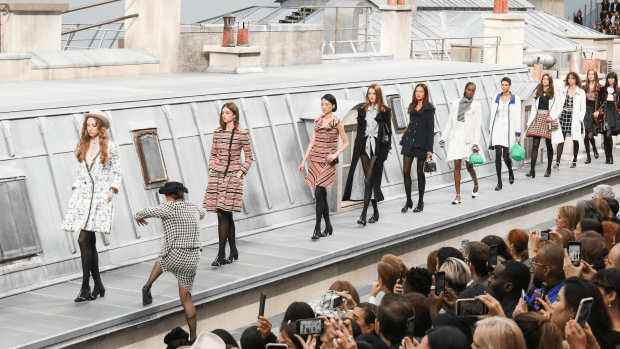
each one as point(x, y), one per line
point(225, 190)
point(320, 173)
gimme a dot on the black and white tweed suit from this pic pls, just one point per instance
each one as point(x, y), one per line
point(180, 253)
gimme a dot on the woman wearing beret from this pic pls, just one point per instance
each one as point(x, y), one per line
point(226, 172)
point(370, 150)
point(180, 253)
point(90, 208)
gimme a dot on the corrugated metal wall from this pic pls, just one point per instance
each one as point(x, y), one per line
point(274, 191)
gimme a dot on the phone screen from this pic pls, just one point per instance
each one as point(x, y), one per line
point(309, 326)
point(410, 327)
point(471, 307)
point(276, 346)
point(440, 282)
point(544, 235)
point(584, 311)
point(574, 252)
point(261, 307)
point(493, 250)
point(464, 243)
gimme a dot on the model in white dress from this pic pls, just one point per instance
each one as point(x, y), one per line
point(500, 128)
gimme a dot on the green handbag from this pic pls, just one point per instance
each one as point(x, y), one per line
point(517, 152)
point(476, 159)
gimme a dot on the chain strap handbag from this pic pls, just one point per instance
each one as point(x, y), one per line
point(430, 166)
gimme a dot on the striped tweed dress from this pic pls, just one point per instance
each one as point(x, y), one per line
point(225, 190)
point(321, 173)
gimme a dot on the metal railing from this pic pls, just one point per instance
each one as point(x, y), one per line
point(442, 49)
point(590, 14)
point(365, 27)
point(97, 28)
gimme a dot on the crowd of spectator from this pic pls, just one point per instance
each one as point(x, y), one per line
point(532, 294)
point(609, 18)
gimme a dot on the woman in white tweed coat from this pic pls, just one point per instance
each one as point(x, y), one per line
point(180, 253)
point(91, 208)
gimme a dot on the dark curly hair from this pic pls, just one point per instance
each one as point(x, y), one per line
point(418, 280)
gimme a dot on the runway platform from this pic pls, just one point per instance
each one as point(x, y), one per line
point(284, 263)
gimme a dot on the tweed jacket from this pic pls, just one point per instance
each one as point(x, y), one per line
point(226, 157)
point(181, 221)
point(89, 208)
point(579, 111)
point(473, 120)
point(514, 119)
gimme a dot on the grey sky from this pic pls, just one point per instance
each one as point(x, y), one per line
point(191, 10)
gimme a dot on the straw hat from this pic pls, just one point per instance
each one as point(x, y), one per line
point(208, 340)
point(99, 115)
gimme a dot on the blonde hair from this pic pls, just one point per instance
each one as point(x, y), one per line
point(500, 333)
point(457, 273)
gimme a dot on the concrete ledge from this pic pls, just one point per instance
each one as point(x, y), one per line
point(397, 7)
point(356, 57)
point(14, 56)
point(218, 28)
point(233, 50)
point(90, 59)
point(36, 7)
point(234, 70)
point(505, 16)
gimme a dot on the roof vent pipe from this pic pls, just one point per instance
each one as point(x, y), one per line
point(547, 60)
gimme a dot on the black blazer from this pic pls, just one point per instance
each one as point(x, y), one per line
point(382, 151)
point(420, 131)
point(614, 7)
point(602, 98)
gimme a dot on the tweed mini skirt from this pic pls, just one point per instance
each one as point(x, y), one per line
point(540, 126)
point(182, 262)
point(224, 192)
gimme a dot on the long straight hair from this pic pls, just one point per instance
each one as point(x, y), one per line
point(233, 108)
point(550, 91)
point(378, 100)
point(615, 77)
point(84, 143)
point(586, 85)
point(414, 100)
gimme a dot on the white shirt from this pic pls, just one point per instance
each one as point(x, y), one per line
point(372, 129)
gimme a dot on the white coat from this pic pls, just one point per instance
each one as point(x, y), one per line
point(579, 110)
point(473, 121)
point(514, 119)
point(89, 208)
point(554, 104)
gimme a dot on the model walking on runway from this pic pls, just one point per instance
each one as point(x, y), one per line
point(505, 129)
point(323, 154)
point(180, 253)
point(90, 208)
point(417, 142)
point(541, 121)
point(590, 124)
point(607, 114)
point(462, 134)
point(372, 145)
point(573, 102)
point(226, 173)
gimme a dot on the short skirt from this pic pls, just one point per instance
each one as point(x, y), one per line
point(415, 152)
point(540, 126)
point(611, 120)
point(457, 148)
point(321, 174)
point(224, 192)
point(588, 121)
point(182, 262)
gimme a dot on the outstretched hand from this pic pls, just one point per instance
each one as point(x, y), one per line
point(142, 221)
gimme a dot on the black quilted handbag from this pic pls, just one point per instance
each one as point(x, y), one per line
point(430, 165)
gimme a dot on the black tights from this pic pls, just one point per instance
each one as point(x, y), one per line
point(226, 231)
point(499, 150)
point(368, 164)
point(535, 146)
point(608, 145)
point(589, 139)
point(561, 148)
point(90, 259)
point(407, 162)
point(322, 209)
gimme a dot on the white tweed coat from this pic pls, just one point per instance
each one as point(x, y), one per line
point(89, 208)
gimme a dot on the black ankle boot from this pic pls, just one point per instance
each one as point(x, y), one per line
point(147, 298)
point(98, 290)
point(362, 220)
point(218, 262)
point(231, 257)
point(374, 218)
